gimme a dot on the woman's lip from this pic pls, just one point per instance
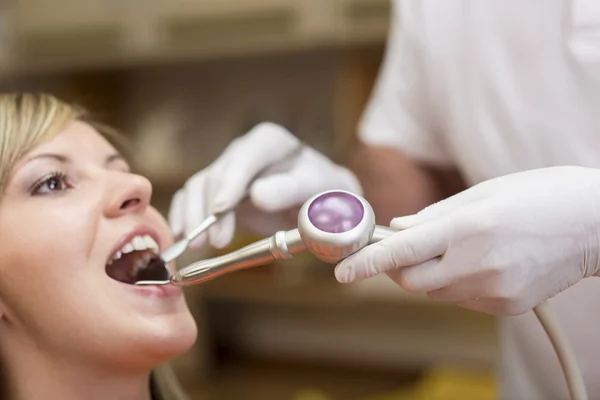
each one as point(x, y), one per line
point(160, 291)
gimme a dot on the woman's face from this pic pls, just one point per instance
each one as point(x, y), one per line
point(69, 208)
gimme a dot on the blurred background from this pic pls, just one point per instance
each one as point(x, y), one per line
point(182, 78)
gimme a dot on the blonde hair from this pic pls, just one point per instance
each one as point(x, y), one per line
point(29, 119)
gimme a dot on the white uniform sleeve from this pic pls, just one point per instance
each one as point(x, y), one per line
point(399, 113)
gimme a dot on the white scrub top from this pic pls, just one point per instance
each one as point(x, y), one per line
point(494, 87)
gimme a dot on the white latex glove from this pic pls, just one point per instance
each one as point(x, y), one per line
point(286, 186)
point(500, 247)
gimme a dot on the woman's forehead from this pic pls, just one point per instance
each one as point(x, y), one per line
point(78, 140)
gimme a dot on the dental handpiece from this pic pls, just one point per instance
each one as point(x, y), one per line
point(332, 226)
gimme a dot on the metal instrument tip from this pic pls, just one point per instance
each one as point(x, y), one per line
point(150, 283)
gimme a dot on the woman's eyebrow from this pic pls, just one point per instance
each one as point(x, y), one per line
point(59, 157)
point(65, 160)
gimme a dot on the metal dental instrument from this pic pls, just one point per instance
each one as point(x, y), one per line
point(333, 225)
point(179, 247)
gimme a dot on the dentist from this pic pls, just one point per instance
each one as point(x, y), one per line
point(473, 94)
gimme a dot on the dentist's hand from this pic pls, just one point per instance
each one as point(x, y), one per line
point(275, 195)
point(500, 247)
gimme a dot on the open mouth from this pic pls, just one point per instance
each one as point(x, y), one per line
point(138, 260)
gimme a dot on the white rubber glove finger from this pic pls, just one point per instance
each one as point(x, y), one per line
point(175, 216)
point(200, 189)
point(402, 249)
point(486, 306)
point(438, 209)
point(221, 233)
point(460, 293)
point(308, 174)
point(405, 222)
point(420, 278)
point(194, 206)
point(275, 193)
point(283, 191)
point(497, 307)
point(218, 171)
point(466, 283)
point(264, 145)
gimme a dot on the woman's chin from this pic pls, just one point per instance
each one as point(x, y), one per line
point(164, 341)
point(176, 339)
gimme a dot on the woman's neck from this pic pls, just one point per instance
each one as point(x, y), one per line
point(38, 378)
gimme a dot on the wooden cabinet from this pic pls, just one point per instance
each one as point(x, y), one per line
point(222, 27)
point(65, 31)
point(73, 33)
point(362, 20)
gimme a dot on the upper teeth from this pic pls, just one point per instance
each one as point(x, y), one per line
point(137, 243)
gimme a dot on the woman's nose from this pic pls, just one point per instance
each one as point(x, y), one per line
point(129, 194)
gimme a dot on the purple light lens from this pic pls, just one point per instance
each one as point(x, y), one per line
point(336, 212)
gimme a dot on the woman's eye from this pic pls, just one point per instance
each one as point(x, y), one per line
point(53, 183)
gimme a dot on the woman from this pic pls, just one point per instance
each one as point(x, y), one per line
point(75, 228)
